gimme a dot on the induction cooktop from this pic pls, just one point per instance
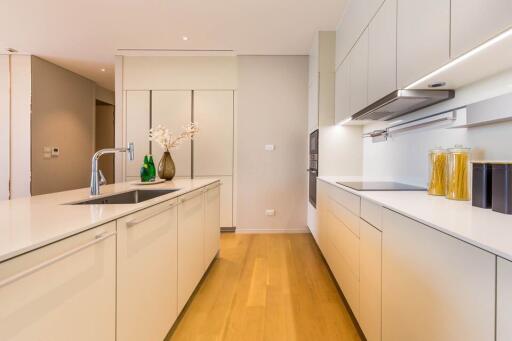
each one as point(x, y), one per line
point(379, 186)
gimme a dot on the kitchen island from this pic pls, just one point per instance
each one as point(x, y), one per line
point(105, 271)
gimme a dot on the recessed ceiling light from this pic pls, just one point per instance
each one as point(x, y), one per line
point(184, 38)
point(11, 50)
point(103, 69)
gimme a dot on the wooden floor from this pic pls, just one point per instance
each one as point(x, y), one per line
point(266, 287)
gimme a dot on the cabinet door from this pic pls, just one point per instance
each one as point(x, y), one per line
point(342, 92)
point(63, 291)
point(475, 21)
point(382, 52)
point(147, 260)
point(137, 128)
point(359, 74)
point(313, 104)
point(226, 201)
point(370, 284)
point(423, 33)
point(173, 109)
point(434, 287)
point(212, 223)
point(213, 146)
point(504, 301)
point(190, 244)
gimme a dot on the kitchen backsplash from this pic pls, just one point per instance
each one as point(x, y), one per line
point(404, 157)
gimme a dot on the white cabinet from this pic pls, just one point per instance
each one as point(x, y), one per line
point(63, 291)
point(342, 92)
point(190, 244)
point(173, 109)
point(211, 223)
point(504, 300)
point(137, 128)
point(434, 287)
point(147, 278)
point(213, 146)
point(475, 21)
point(382, 52)
point(423, 38)
point(370, 284)
point(359, 74)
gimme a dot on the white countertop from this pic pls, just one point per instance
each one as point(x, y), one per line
point(484, 228)
point(29, 223)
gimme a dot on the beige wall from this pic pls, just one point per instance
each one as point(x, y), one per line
point(4, 126)
point(63, 105)
point(272, 109)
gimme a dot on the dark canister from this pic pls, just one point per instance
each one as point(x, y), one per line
point(502, 187)
point(482, 184)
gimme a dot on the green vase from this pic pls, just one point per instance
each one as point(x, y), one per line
point(152, 170)
point(166, 168)
point(145, 174)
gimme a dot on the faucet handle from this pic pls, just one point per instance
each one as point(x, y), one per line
point(103, 180)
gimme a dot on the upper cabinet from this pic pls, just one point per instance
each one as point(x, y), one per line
point(356, 18)
point(423, 33)
point(382, 52)
point(475, 21)
point(342, 96)
point(137, 128)
point(359, 74)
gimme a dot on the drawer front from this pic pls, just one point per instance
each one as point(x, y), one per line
point(58, 292)
point(351, 201)
point(348, 283)
point(371, 213)
point(345, 216)
point(346, 242)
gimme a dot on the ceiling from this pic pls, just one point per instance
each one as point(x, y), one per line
point(83, 36)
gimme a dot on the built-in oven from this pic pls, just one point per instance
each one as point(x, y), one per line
point(313, 166)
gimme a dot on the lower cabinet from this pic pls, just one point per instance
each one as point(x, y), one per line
point(370, 281)
point(212, 223)
point(63, 291)
point(434, 287)
point(147, 277)
point(190, 244)
point(504, 300)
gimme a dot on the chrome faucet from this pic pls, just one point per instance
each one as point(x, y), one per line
point(97, 178)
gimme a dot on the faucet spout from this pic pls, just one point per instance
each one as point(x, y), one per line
point(96, 178)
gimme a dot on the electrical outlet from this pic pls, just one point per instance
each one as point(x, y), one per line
point(270, 212)
point(55, 151)
point(270, 147)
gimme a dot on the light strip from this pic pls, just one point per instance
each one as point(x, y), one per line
point(465, 56)
point(345, 121)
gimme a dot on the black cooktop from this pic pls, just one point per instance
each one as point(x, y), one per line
point(379, 186)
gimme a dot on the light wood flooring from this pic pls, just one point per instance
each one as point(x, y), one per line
point(266, 287)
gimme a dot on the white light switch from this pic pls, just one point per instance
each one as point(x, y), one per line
point(47, 152)
point(270, 212)
point(269, 147)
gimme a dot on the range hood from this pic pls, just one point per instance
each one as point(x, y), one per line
point(401, 102)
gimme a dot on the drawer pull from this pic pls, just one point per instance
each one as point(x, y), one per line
point(60, 257)
point(149, 216)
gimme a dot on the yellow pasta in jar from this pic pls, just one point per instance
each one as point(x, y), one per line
point(437, 178)
point(457, 187)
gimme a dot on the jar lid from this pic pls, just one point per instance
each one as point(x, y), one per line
point(438, 150)
point(458, 148)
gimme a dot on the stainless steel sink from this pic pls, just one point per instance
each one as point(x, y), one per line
point(132, 197)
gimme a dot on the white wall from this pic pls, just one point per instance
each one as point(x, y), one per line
point(4, 127)
point(272, 109)
point(404, 157)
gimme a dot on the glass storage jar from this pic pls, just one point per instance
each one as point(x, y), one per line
point(437, 171)
point(458, 173)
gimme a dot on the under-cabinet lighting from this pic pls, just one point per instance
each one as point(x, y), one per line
point(345, 121)
point(462, 58)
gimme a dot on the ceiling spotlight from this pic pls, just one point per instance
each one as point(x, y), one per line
point(184, 38)
point(103, 69)
point(11, 50)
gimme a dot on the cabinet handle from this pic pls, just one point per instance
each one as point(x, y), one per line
point(143, 219)
point(192, 197)
point(60, 257)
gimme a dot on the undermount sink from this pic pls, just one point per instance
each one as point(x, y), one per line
point(131, 197)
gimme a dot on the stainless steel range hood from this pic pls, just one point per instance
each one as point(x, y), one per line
point(401, 102)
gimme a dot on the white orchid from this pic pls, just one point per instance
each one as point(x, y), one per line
point(166, 139)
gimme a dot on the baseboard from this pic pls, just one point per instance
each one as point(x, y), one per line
point(228, 229)
point(271, 230)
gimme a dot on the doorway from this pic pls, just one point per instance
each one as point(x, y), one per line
point(105, 137)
